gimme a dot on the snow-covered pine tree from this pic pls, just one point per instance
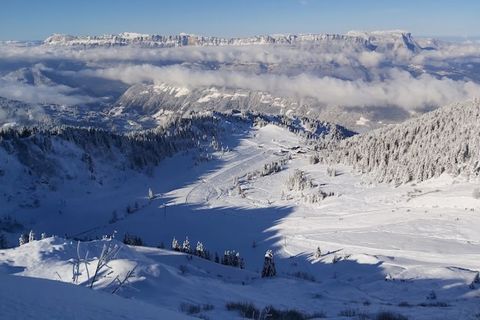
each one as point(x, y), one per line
point(43, 236)
point(150, 194)
point(23, 239)
point(132, 240)
point(31, 236)
point(226, 258)
point(269, 269)
point(318, 253)
point(175, 245)
point(232, 258)
point(448, 140)
point(200, 250)
point(299, 181)
point(186, 246)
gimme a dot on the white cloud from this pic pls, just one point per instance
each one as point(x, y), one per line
point(62, 95)
point(398, 88)
point(338, 74)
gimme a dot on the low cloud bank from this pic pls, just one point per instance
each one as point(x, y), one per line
point(398, 88)
point(336, 74)
point(60, 94)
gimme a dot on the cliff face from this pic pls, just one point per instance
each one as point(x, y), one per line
point(372, 40)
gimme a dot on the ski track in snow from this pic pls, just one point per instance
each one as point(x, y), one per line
point(419, 241)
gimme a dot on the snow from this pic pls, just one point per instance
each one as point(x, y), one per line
point(394, 212)
point(163, 87)
point(385, 33)
point(381, 76)
point(420, 237)
point(133, 35)
point(182, 92)
point(182, 39)
point(29, 298)
point(362, 121)
point(443, 141)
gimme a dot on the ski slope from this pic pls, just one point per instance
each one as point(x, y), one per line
point(383, 247)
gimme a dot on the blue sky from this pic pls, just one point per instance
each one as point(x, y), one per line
point(36, 19)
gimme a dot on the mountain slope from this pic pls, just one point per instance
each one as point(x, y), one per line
point(161, 99)
point(444, 141)
point(376, 242)
point(150, 99)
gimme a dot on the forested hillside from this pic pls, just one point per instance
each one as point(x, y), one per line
point(446, 140)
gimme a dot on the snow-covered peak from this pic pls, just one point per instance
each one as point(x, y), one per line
point(58, 38)
point(377, 33)
point(397, 38)
point(132, 35)
point(369, 40)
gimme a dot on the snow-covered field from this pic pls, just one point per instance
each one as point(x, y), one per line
point(411, 249)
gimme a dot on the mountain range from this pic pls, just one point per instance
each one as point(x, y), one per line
point(369, 40)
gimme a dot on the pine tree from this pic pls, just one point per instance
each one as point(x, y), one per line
point(132, 240)
point(269, 265)
point(150, 194)
point(200, 250)
point(43, 236)
point(318, 253)
point(31, 236)
point(186, 246)
point(232, 258)
point(23, 239)
point(175, 245)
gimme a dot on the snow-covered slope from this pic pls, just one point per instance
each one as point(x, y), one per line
point(23, 298)
point(41, 167)
point(14, 113)
point(161, 99)
point(382, 248)
point(391, 40)
point(151, 99)
point(443, 141)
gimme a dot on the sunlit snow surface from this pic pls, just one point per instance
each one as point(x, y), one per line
point(394, 245)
